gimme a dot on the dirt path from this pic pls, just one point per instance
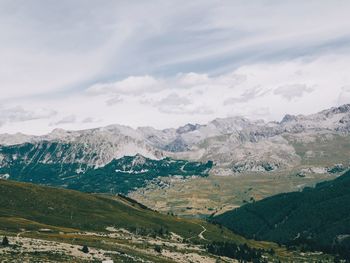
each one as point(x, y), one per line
point(18, 238)
point(200, 235)
point(20, 233)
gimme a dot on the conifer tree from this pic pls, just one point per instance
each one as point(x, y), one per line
point(5, 241)
point(85, 249)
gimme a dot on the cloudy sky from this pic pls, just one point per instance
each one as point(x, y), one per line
point(80, 64)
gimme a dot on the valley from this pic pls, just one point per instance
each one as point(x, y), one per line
point(323, 157)
point(203, 196)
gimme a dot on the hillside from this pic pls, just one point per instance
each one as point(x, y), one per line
point(72, 209)
point(45, 224)
point(316, 218)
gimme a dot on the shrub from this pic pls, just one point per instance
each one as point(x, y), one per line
point(5, 241)
point(85, 249)
point(158, 249)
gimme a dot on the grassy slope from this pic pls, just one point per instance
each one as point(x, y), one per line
point(314, 217)
point(326, 150)
point(206, 195)
point(75, 210)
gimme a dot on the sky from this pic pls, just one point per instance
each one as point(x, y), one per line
point(78, 64)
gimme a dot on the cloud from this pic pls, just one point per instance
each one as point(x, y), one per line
point(249, 94)
point(89, 120)
point(344, 96)
point(114, 100)
point(173, 104)
point(292, 91)
point(191, 79)
point(173, 99)
point(141, 85)
point(19, 114)
point(134, 85)
point(65, 120)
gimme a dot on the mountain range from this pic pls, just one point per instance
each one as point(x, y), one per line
point(234, 144)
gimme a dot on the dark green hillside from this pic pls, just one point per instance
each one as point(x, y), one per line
point(317, 218)
point(54, 164)
point(131, 172)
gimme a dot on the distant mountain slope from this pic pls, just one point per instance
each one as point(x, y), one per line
point(92, 147)
point(118, 176)
point(131, 172)
point(318, 218)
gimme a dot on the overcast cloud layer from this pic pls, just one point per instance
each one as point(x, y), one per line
point(82, 64)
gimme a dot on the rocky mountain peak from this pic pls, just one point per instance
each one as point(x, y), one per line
point(138, 160)
point(288, 118)
point(336, 110)
point(187, 128)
